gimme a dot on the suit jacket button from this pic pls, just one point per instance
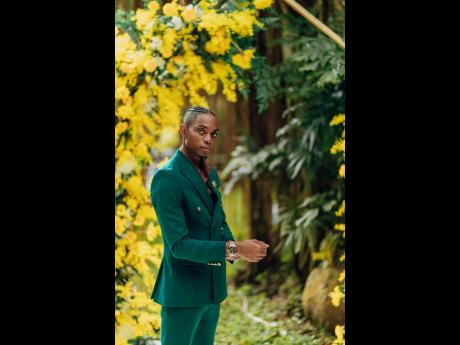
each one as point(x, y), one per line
point(221, 228)
point(219, 264)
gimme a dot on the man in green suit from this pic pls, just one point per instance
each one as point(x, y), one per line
point(191, 281)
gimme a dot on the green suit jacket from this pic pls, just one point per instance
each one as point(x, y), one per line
point(192, 272)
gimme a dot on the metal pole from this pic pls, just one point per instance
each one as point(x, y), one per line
point(316, 22)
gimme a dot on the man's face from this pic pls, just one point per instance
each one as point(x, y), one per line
point(201, 136)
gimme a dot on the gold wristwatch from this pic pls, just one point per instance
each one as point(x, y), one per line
point(232, 251)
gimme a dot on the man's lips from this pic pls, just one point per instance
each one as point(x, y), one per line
point(207, 149)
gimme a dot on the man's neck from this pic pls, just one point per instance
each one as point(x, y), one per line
point(196, 159)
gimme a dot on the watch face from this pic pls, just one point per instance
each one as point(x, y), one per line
point(232, 250)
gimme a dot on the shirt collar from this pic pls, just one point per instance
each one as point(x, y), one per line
point(204, 174)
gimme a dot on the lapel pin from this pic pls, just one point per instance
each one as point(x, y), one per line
point(198, 209)
point(213, 184)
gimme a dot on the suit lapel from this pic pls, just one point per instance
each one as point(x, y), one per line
point(218, 205)
point(189, 171)
point(217, 208)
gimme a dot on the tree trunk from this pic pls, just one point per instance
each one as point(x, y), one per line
point(325, 11)
point(262, 128)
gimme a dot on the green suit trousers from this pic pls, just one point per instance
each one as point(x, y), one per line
point(189, 325)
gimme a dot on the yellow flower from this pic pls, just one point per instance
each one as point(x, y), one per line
point(121, 211)
point(126, 162)
point(120, 225)
point(168, 43)
point(123, 44)
point(219, 43)
point(132, 204)
point(120, 128)
point(339, 333)
point(117, 181)
point(341, 211)
point(168, 138)
point(153, 6)
point(188, 14)
point(125, 68)
point(144, 19)
point(131, 237)
point(139, 221)
point(261, 4)
point(119, 340)
point(152, 232)
point(319, 256)
point(342, 276)
point(340, 227)
point(339, 146)
point(337, 120)
point(147, 211)
point(124, 112)
point(243, 59)
point(171, 68)
point(228, 77)
point(170, 9)
point(122, 93)
point(242, 22)
point(150, 65)
point(137, 190)
point(336, 296)
point(342, 171)
point(214, 22)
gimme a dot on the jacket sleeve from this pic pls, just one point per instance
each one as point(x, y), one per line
point(167, 197)
point(227, 233)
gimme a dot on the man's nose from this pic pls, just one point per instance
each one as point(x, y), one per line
point(207, 138)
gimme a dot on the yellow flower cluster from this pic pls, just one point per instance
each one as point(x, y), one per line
point(339, 145)
point(262, 4)
point(325, 255)
point(243, 59)
point(154, 75)
point(171, 9)
point(243, 22)
point(337, 120)
point(168, 42)
point(342, 170)
point(188, 14)
point(341, 211)
point(340, 227)
point(340, 335)
point(220, 27)
point(338, 295)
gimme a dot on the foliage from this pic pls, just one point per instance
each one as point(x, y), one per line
point(282, 315)
point(311, 81)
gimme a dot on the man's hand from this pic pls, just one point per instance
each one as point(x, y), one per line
point(251, 250)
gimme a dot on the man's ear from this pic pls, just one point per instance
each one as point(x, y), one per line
point(182, 130)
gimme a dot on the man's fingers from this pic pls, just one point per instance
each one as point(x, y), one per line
point(263, 244)
point(260, 242)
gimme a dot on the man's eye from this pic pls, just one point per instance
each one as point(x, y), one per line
point(200, 130)
point(214, 134)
